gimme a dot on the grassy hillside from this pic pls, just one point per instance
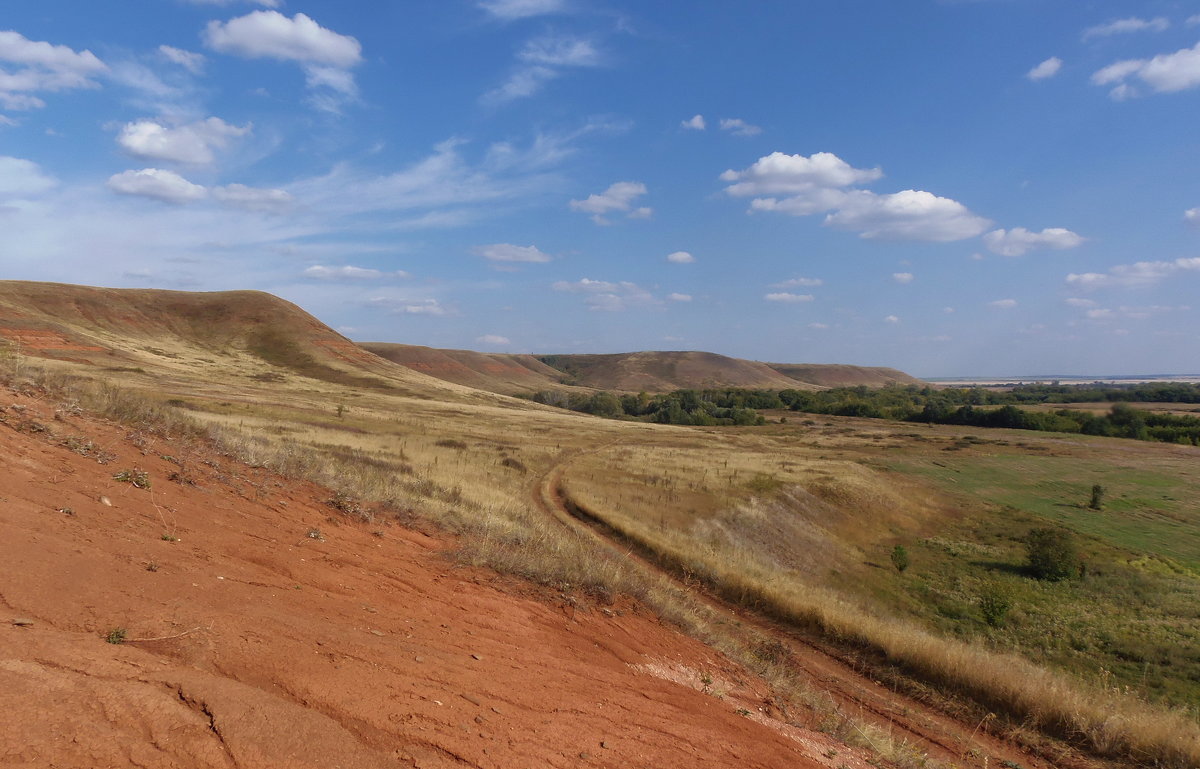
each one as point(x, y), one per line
point(495, 372)
point(796, 519)
point(840, 375)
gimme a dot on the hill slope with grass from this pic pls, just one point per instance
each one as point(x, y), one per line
point(237, 334)
point(841, 375)
point(495, 372)
point(648, 371)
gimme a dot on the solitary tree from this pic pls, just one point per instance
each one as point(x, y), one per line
point(1052, 554)
point(1097, 497)
point(900, 558)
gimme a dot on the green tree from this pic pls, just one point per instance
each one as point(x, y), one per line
point(899, 558)
point(1097, 502)
point(1052, 554)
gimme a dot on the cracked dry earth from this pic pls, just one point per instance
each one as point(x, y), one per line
point(250, 643)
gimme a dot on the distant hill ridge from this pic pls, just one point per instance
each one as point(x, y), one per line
point(256, 334)
point(649, 371)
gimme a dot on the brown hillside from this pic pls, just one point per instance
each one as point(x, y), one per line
point(666, 371)
point(251, 625)
point(495, 372)
point(255, 332)
point(839, 375)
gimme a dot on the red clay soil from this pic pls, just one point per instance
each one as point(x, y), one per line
point(275, 632)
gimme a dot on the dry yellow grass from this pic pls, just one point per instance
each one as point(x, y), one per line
point(467, 460)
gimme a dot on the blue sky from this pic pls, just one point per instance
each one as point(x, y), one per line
point(969, 187)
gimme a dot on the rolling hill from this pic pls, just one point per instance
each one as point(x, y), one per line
point(225, 334)
point(648, 371)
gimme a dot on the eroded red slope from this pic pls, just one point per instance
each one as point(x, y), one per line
point(257, 642)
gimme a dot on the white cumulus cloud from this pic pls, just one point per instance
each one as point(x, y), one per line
point(902, 277)
point(1003, 304)
point(325, 55)
point(507, 252)
point(618, 197)
point(694, 123)
point(679, 297)
point(782, 174)
point(1165, 73)
point(892, 319)
point(1192, 216)
point(1019, 240)
point(1047, 69)
point(823, 182)
point(166, 186)
point(680, 257)
point(907, 215)
point(191, 144)
point(42, 66)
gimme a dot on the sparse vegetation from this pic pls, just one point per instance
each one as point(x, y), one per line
point(899, 556)
point(116, 636)
point(138, 478)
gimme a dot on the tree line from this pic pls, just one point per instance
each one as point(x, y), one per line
point(968, 406)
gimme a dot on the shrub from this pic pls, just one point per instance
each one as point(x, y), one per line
point(899, 558)
point(1097, 497)
point(994, 602)
point(116, 636)
point(1052, 554)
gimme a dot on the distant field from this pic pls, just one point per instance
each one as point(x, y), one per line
point(1103, 407)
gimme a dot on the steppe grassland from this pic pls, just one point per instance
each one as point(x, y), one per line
point(453, 448)
point(742, 550)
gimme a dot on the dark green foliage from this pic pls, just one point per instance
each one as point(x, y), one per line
point(682, 407)
point(995, 600)
point(1097, 502)
point(969, 406)
point(116, 636)
point(1052, 554)
point(899, 558)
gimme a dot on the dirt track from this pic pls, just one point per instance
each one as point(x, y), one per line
point(273, 632)
point(927, 729)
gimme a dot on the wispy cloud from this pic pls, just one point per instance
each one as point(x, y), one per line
point(1125, 26)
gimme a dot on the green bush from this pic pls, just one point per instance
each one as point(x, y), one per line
point(995, 600)
point(1052, 554)
point(899, 558)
